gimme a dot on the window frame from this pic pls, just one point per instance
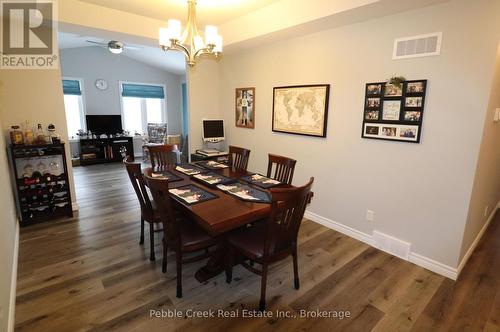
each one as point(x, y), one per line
point(164, 115)
point(82, 103)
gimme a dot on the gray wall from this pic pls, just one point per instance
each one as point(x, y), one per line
point(92, 63)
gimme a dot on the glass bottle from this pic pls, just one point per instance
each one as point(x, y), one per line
point(40, 136)
point(16, 136)
point(28, 133)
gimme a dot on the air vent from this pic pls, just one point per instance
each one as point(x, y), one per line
point(417, 46)
point(392, 245)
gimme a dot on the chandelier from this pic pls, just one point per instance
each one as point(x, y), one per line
point(190, 42)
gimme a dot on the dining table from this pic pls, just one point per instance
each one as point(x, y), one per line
point(217, 216)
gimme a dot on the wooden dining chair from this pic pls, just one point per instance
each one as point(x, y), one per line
point(283, 168)
point(148, 213)
point(162, 155)
point(180, 233)
point(273, 240)
point(238, 157)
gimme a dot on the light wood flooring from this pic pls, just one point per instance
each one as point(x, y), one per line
point(90, 274)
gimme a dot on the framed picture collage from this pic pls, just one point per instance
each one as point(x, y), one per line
point(394, 112)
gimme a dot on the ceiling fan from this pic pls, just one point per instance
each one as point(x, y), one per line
point(114, 46)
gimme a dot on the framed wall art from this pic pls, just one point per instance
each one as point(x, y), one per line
point(393, 112)
point(245, 108)
point(301, 109)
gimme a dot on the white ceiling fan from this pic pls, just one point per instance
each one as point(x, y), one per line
point(114, 46)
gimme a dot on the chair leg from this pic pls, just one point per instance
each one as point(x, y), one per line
point(262, 303)
point(152, 241)
point(164, 263)
point(295, 270)
point(142, 232)
point(179, 273)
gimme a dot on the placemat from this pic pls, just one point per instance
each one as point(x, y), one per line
point(261, 181)
point(189, 169)
point(166, 175)
point(213, 179)
point(192, 194)
point(245, 192)
point(212, 165)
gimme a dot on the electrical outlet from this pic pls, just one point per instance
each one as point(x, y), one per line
point(369, 215)
point(485, 211)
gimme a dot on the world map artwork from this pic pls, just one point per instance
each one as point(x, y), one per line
point(300, 110)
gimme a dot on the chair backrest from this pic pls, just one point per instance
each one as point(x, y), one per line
point(161, 197)
point(136, 178)
point(283, 168)
point(287, 210)
point(238, 157)
point(162, 155)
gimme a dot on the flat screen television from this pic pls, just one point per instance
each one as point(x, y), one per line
point(104, 124)
point(213, 130)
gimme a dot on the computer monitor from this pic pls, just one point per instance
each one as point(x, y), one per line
point(213, 130)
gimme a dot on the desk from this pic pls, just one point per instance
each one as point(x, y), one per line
point(221, 157)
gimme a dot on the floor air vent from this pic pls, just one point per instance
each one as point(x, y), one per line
point(417, 46)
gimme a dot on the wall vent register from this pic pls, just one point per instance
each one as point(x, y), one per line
point(417, 46)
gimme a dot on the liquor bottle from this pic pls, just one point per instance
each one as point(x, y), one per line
point(28, 133)
point(40, 136)
point(16, 136)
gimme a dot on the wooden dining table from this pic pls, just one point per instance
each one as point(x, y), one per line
point(218, 216)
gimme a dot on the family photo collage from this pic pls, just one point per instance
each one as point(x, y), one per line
point(394, 112)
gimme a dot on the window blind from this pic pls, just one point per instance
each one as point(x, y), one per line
point(71, 87)
point(142, 91)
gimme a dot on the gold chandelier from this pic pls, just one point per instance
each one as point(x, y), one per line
point(190, 42)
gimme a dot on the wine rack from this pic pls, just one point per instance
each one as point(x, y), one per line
point(42, 185)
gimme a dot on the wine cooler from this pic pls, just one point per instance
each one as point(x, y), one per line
point(41, 179)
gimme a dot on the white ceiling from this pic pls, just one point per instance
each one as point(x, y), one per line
point(173, 62)
point(208, 11)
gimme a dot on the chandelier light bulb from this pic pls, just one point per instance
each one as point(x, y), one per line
point(211, 34)
point(175, 29)
point(218, 44)
point(165, 37)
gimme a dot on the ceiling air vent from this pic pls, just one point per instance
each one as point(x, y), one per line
point(417, 46)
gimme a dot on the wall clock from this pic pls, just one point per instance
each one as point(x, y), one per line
point(101, 84)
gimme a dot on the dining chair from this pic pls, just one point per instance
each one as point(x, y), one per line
point(272, 240)
point(148, 213)
point(180, 233)
point(283, 168)
point(162, 155)
point(238, 157)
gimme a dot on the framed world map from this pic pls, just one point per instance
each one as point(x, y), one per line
point(301, 109)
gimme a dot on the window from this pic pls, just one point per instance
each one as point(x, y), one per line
point(73, 105)
point(142, 104)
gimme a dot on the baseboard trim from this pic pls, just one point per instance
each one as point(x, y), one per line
point(432, 265)
point(477, 239)
point(13, 282)
point(417, 259)
point(349, 231)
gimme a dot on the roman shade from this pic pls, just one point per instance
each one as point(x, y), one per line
point(72, 87)
point(142, 91)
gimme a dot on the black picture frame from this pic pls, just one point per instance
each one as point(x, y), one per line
point(325, 115)
point(407, 127)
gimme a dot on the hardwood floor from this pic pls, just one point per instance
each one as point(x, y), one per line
point(90, 274)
